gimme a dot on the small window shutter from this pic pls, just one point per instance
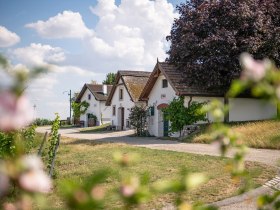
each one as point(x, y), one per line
point(152, 111)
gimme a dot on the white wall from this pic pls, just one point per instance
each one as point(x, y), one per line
point(126, 103)
point(92, 109)
point(155, 123)
point(105, 112)
point(241, 109)
point(97, 108)
point(246, 109)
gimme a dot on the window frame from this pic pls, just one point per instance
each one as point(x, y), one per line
point(121, 94)
point(114, 110)
point(164, 83)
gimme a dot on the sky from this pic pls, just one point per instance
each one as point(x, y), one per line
point(83, 41)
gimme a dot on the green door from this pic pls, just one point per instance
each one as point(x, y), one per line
point(165, 127)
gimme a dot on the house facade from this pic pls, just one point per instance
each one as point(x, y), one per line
point(166, 82)
point(96, 95)
point(125, 95)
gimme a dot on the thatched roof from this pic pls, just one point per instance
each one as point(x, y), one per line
point(134, 82)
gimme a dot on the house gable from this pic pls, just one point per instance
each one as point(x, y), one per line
point(133, 82)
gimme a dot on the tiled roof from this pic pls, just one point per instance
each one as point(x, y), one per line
point(177, 80)
point(134, 82)
point(96, 90)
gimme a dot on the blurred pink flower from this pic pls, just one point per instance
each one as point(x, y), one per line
point(32, 162)
point(15, 112)
point(253, 70)
point(9, 206)
point(4, 184)
point(36, 181)
point(130, 186)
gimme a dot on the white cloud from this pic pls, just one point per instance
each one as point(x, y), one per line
point(8, 38)
point(38, 54)
point(64, 25)
point(132, 33)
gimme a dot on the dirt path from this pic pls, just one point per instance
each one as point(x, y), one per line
point(269, 157)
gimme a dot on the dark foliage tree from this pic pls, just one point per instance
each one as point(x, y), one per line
point(110, 79)
point(138, 120)
point(209, 36)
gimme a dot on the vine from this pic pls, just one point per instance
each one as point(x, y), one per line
point(53, 140)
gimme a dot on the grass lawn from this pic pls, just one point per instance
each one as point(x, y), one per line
point(260, 134)
point(94, 129)
point(78, 159)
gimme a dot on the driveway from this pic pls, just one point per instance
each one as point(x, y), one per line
point(269, 157)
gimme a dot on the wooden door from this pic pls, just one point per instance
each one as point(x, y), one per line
point(166, 128)
point(122, 118)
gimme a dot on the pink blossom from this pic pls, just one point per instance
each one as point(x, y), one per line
point(130, 186)
point(4, 184)
point(32, 162)
point(253, 70)
point(35, 181)
point(33, 178)
point(15, 112)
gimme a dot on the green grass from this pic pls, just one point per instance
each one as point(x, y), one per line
point(78, 159)
point(94, 129)
point(259, 134)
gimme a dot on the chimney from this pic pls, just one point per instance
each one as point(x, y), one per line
point(104, 89)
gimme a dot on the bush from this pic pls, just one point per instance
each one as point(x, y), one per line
point(138, 119)
point(42, 122)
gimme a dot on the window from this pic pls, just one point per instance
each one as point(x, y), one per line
point(89, 96)
point(114, 110)
point(121, 94)
point(164, 83)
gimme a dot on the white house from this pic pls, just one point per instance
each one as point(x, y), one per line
point(96, 95)
point(167, 82)
point(125, 95)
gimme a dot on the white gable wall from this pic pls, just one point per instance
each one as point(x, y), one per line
point(155, 123)
point(105, 112)
point(126, 103)
point(92, 109)
point(97, 108)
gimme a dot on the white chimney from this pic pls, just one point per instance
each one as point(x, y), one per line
point(104, 89)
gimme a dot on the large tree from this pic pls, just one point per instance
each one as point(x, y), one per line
point(209, 36)
point(110, 79)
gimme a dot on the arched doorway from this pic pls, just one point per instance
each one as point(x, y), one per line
point(163, 125)
point(91, 120)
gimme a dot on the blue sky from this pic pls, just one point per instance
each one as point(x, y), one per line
point(83, 40)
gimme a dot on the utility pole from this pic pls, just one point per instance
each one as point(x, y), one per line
point(70, 95)
point(70, 100)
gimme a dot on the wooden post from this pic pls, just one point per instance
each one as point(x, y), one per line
point(226, 103)
point(42, 144)
point(54, 155)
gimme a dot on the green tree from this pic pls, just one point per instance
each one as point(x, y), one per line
point(110, 79)
point(79, 108)
point(180, 116)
